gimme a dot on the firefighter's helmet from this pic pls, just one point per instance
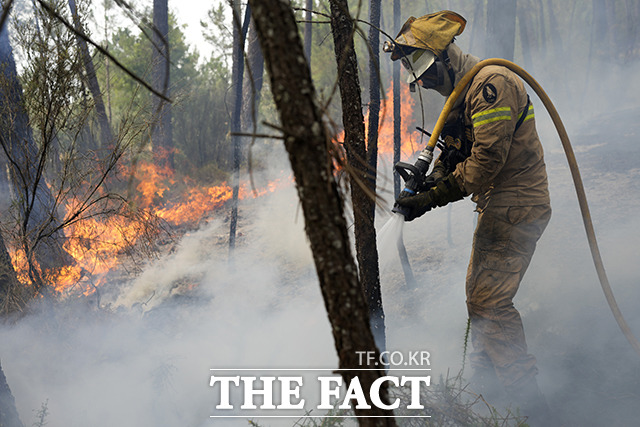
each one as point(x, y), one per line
point(422, 40)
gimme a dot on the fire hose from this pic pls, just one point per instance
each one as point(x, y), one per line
point(427, 154)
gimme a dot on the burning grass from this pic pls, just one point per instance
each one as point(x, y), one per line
point(126, 231)
point(144, 205)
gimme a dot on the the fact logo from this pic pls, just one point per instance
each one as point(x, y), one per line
point(242, 392)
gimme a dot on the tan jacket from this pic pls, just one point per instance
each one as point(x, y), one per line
point(506, 167)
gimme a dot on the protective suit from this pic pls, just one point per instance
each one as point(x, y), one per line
point(506, 176)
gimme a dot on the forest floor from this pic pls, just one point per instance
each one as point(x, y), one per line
point(143, 359)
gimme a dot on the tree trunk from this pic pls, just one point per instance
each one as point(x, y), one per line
point(106, 137)
point(252, 86)
point(41, 238)
point(367, 250)
point(307, 144)
point(239, 35)
point(162, 135)
point(501, 29)
point(360, 173)
point(8, 412)
point(308, 30)
point(11, 298)
point(397, 116)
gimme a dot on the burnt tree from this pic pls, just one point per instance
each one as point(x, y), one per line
point(39, 232)
point(239, 36)
point(106, 136)
point(362, 174)
point(252, 86)
point(308, 146)
point(397, 117)
point(162, 133)
point(11, 293)
point(308, 30)
point(370, 273)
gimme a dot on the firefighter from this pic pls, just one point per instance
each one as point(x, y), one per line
point(493, 153)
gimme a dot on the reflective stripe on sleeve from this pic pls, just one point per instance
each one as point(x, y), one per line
point(530, 114)
point(493, 115)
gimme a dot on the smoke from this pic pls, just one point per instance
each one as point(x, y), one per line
point(586, 366)
point(144, 358)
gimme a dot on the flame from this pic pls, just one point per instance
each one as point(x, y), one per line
point(154, 182)
point(200, 201)
point(408, 147)
point(97, 244)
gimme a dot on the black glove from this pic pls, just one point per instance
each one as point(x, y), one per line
point(437, 174)
point(445, 192)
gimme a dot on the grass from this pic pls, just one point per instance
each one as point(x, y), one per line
point(447, 403)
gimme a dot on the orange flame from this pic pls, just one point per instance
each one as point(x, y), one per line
point(97, 244)
point(408, 147)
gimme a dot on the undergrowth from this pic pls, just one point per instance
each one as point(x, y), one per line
point(447, 403)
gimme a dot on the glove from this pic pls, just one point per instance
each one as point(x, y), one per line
point(437, 174)
point(445, 192)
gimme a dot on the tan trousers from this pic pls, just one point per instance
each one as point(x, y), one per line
point(503, 244)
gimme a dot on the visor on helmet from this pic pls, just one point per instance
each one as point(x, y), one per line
point(433, 77)
point(417, 62)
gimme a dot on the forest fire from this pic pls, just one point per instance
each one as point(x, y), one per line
point(385, 130)
point(385, 133)
point(97, 244)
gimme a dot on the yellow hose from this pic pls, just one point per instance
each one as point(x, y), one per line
point(573, 166)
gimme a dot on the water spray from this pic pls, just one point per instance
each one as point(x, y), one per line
point(415, 174)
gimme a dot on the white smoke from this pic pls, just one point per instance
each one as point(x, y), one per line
point(144, 359)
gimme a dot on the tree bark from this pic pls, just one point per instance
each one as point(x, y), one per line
point(239, 35)
point(361, 175)
point(501, 29)
point(162, 135)
point(308, 30)
point(308, 146)
point(8, 412)
point(252, 86)
point(10, 293)
point(106, 137)
point(397, 116)
point(367, 251)
point(41, 238)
